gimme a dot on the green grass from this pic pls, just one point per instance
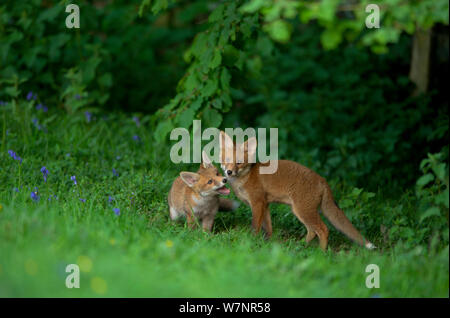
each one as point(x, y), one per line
point(141, 253)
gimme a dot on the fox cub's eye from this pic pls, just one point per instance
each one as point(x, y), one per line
point(210, 181)
point(239, 163)
point(217, 174)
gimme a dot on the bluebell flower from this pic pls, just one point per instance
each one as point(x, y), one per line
point(14, 156)
point(115, 174)
point(44, 173)
point(42, 106)
point(74, 180)
point(16, 189)
point(116, 211)
point(31, 96)
point(34, 195)
point(110, 199)
point(88, 116)
point(136, 120)
point(136, 138)
point(2, 103)
point(77, 96)
point(83, 200)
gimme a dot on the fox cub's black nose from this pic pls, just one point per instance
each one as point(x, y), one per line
point(224, 180)
point(229, 172)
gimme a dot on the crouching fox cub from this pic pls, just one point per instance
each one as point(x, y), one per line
point(292, 184)
point(197, 195)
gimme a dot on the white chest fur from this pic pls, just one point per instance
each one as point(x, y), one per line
point(238, 189)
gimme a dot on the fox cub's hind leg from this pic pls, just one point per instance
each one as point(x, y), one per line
point(308, 215)
point(310, 235)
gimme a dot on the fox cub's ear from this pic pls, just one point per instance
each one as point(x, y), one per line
point(250, 147)
point(207, 163)
point(190, 178)
point(225, 141)
point(226, 147)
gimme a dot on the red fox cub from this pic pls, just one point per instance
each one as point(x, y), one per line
point(292, 184)
point(197, 194)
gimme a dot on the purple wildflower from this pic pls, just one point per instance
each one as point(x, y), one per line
point(88, 116)
point(2, 103)
point(110, 199)
point(31, 96)
point(115, 174)
point(136, 120)
point(16, 189)
point(136, 138)
point(74, 180)
point(77, 96)
point(44, 173)
point(42, 106)
point(116, 211)
point(83, 200)
point(14, 156)
point(34, 195)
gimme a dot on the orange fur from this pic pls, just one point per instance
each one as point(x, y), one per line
point(196, 195)
point(292, 184)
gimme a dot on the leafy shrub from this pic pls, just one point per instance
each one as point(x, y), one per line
point(433, 192)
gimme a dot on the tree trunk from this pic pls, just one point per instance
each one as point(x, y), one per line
point(420, 60)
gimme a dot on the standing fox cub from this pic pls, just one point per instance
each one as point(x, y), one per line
point(292, 184)
point(197, 194)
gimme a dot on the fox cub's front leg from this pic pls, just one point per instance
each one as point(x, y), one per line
point(258, 210)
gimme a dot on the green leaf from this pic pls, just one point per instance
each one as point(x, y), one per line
point(330, 38)
point(143, 6)
point(185, 118)
point(442, 198)
point(217, 103)
point(217, 14)
point(439, 170)
point(211, 117)
point(225, 78)
point(278, 30)
point(433, 211)
point(327, 10)
point(217, 59)
point(12, 91)
point(425, 179)
point(210, 88)
point(253, 6)
point(163, 128)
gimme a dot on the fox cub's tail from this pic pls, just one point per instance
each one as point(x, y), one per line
point(337, 217)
